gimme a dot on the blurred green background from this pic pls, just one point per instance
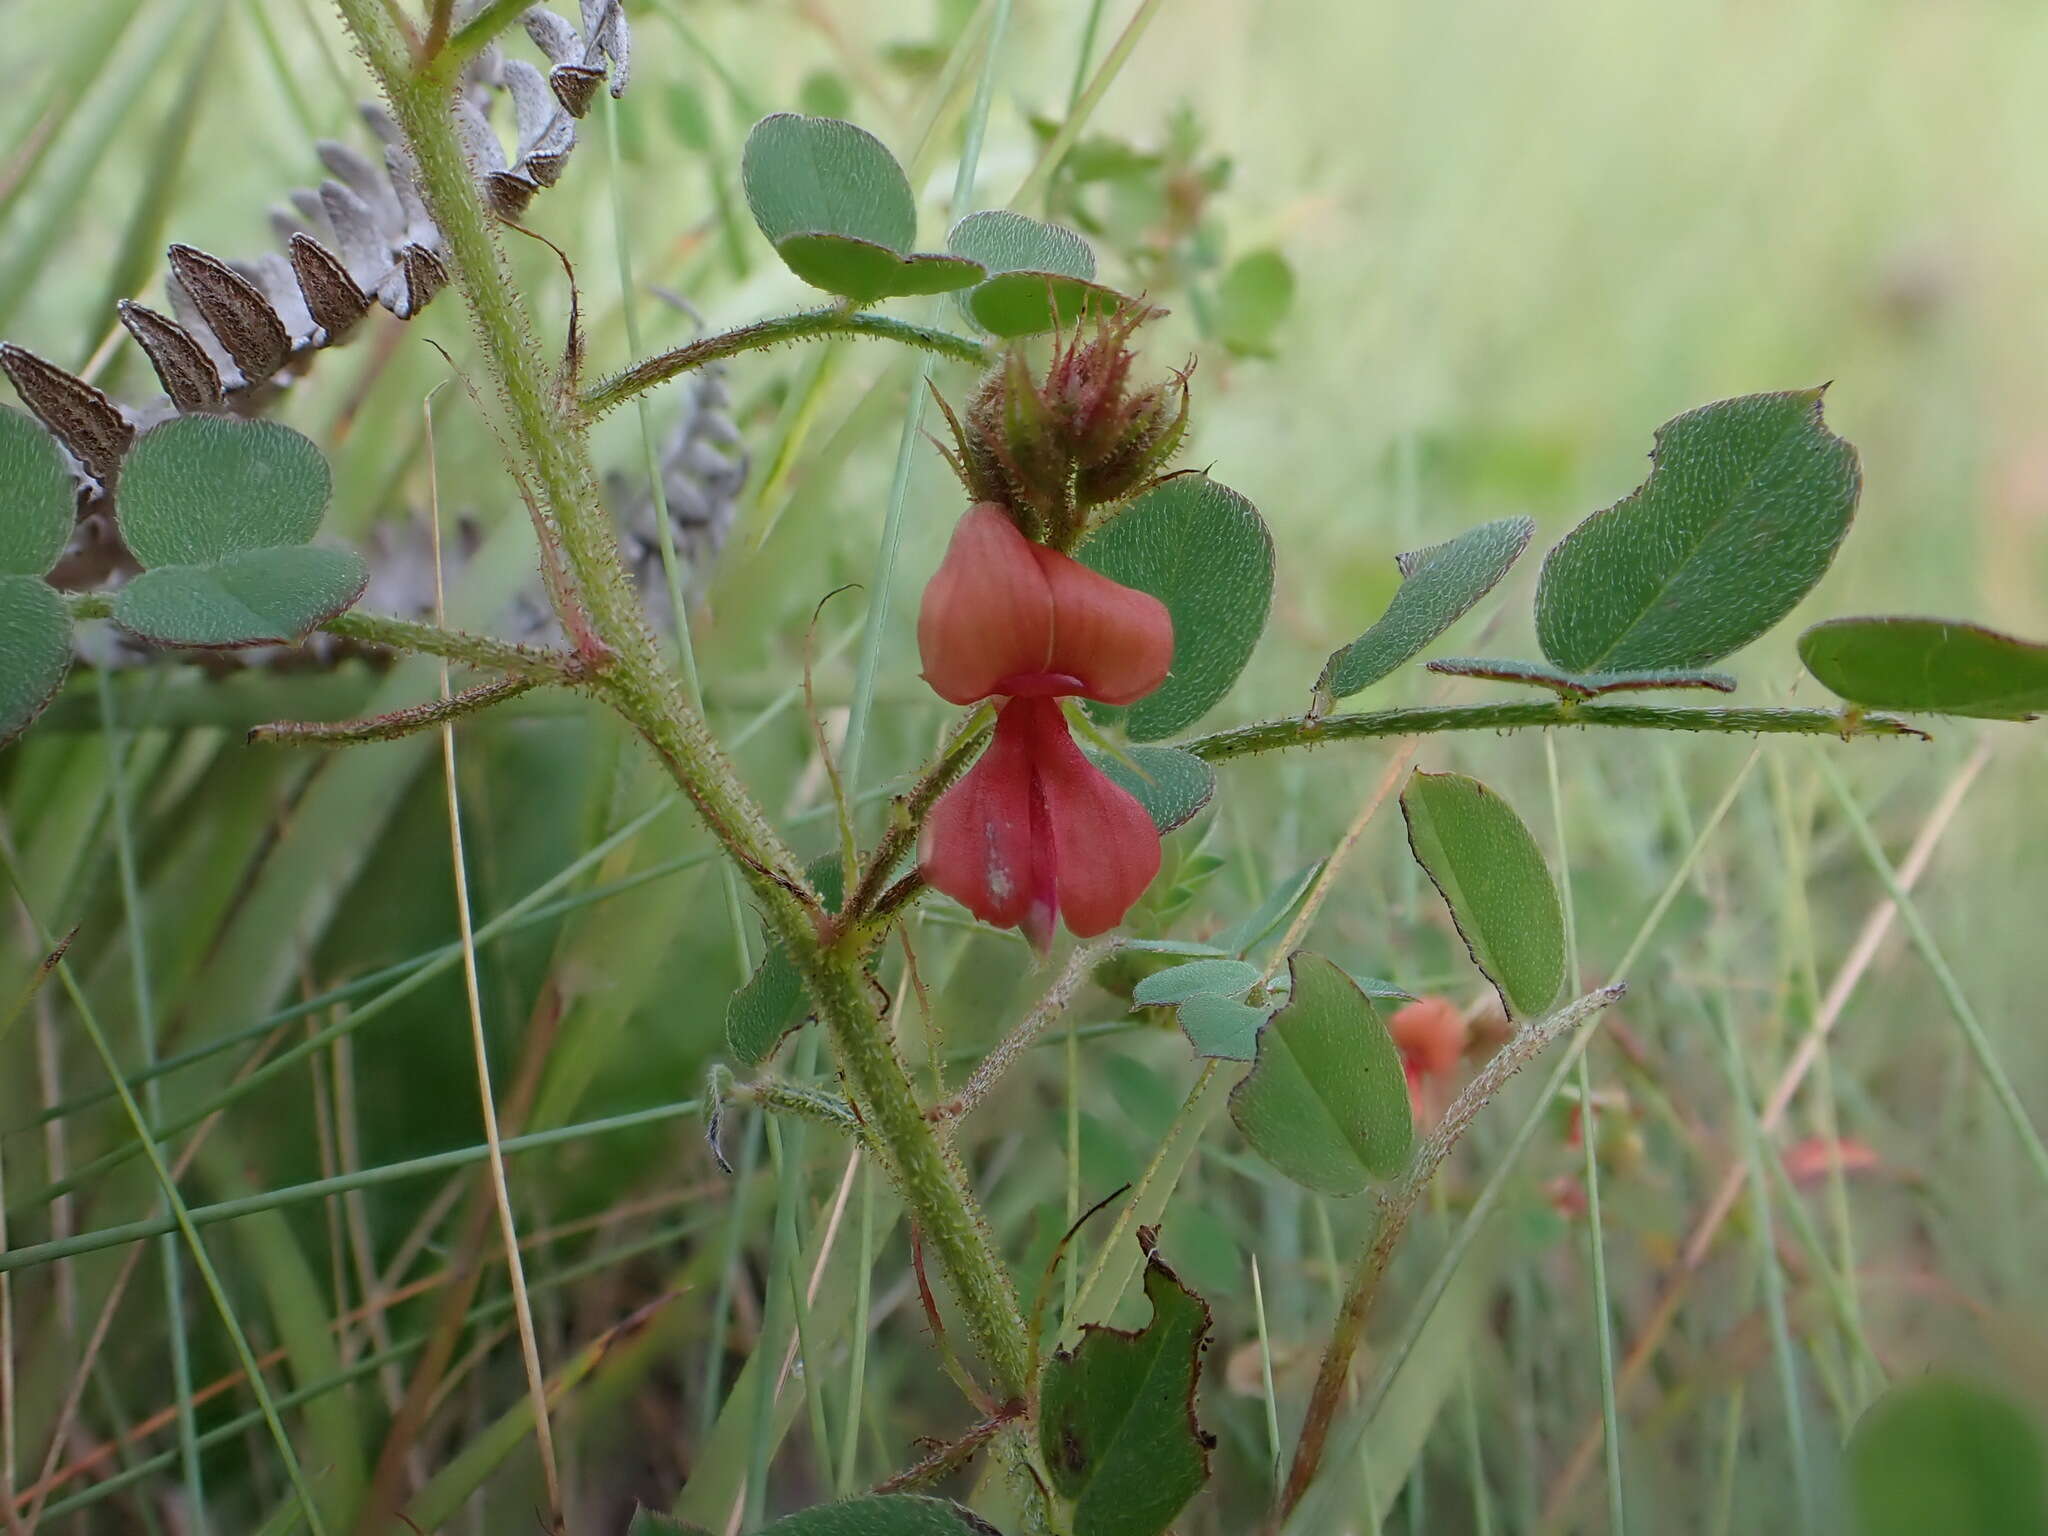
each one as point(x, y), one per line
point(1521, 237)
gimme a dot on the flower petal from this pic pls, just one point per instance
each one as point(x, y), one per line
point(987, 614)
point(977, 845)
point(1105, 850)
point(1117, 640)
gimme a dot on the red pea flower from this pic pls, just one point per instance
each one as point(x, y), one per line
point(1035, 832)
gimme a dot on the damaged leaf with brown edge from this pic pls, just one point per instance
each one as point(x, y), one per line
point(1746, 503)
point(1482, 858)
point(1116, 1415)
point(1326, 1102)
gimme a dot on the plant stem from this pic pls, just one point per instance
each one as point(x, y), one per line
point(1334, 1375)
point(396, 634)
point(615, 389)
point(548, 429)
point(1277, 735)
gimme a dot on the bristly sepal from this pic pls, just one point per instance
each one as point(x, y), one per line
point(1055, 450)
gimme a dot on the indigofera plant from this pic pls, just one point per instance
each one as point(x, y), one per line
point(1088, 595)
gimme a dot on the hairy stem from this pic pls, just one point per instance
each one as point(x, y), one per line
point(1278, 735)
point(533, 662)
point(802, 326)
point(1334, 1375)
point(873, 901)
point(552, 461)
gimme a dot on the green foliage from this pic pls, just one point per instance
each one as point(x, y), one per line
point(1116, 1415)
point(1173, 786)
point(200, 488)
point(1254, 298)
point(1579, 685)
point(1204, 551)
point(1493, 878)
point(1326, 1103)
point(1942, 666)
point(35, 650)
point(771, 1004)
point(1039, 275)
point(885, 1514)
point(1178, 983)
point(259, 597)
point(1746, 503)
point(1263, 920)
point(1439, 585)
point(1941, 1454)
point(1221, 1027)
point(219, 510)
point(37, 497)
point(839, 211)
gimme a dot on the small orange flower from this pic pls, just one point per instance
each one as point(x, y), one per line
point(1035, 832)
point(1430, 1033)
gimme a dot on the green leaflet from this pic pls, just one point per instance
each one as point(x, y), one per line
point(771, 1004)
point(1039, 275)
point(1491, 873)
point(1942, 1454)
point(200, 488)
point(1204, 551)
point(1746, 503)
point(1327, 1102)
point(1439, 585)
point(38, 498)
point(1178, 983)
point(35, 650)
point(219, 511)
point(1943, 666)
point(258, 597)
point(1221, 1027)
point(1116, 1415)
point(1172, 785)
point(839, 211)
point(1254, 298)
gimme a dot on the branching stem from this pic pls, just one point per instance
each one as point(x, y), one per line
point(548, 432)
point(1334, 1375)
